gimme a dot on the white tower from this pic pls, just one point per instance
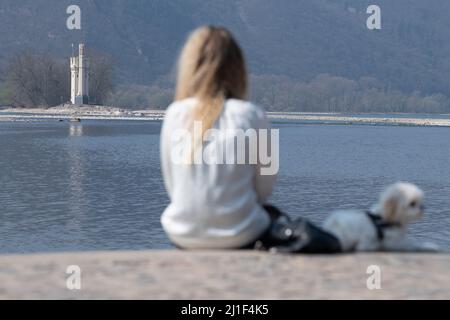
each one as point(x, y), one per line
point(79, 81)
point(73, 78)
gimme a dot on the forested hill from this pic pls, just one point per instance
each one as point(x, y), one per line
point(292, 46)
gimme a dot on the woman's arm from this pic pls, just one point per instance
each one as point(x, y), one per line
point(166, 156)
point(268, 159)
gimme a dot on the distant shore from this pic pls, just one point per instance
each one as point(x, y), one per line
point(68, 112)
point(174, 274)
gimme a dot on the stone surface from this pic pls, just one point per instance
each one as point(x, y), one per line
point(224, 275)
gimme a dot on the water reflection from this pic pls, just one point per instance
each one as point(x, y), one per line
point(76, 174)
point(75, 129)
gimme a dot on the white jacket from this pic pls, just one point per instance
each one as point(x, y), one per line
point(214, 206)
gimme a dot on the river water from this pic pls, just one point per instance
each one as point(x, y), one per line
point(97, 185)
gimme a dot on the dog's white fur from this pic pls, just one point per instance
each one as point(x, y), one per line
point(400, 204)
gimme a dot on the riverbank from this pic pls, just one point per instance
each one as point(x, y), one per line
point(69, 112)
point(173, 274)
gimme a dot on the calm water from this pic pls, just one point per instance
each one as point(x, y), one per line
point(97, 185)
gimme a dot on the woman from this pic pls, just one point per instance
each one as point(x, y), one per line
point(213, 205)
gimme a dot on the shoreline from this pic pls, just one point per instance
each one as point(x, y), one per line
point(174, 274)
point(65, 112)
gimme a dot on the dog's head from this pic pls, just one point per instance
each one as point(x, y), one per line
point(402, 203)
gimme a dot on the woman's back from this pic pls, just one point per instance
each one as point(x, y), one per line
point(216, 198)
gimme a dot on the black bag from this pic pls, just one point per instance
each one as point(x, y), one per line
point(296, 236)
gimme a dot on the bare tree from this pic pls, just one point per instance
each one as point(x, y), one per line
point(36, 80)
point(100, 77)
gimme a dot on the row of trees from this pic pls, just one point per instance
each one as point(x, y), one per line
point(39, 80)
point(34, 80)
point(324, 93)
point(327, 93)
point(141, 97)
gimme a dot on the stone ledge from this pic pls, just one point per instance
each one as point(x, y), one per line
point(175, 274)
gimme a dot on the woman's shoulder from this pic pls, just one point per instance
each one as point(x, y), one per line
point(179, 111)
point(180, 105)
point(245, 108)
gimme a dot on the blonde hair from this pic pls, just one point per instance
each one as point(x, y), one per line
point(212, 69)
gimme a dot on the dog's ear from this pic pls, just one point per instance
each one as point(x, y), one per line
point(389, 209)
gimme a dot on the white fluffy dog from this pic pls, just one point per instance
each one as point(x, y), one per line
point(383, 228)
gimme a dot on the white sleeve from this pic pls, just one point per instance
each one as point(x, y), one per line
point(165, 155)
point(264, 183)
